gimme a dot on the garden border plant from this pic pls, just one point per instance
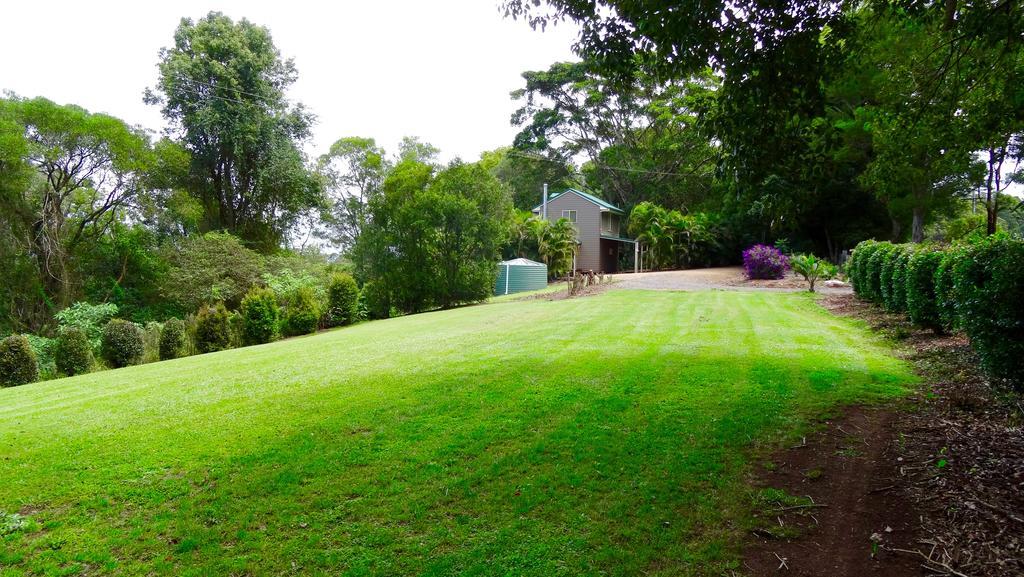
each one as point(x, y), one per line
point(976, 286)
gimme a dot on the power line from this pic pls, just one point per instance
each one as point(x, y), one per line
point(216, 86)
point(602, 165)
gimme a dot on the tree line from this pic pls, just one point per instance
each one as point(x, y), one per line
point(716, 125)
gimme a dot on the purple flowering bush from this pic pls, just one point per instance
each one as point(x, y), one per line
point(764, 262)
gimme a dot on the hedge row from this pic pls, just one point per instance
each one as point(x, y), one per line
point(262, 317)
point(977, 288)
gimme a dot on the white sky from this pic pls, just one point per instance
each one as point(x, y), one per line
point(379, 68)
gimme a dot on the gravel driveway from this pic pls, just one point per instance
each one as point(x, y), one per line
point(722, 278)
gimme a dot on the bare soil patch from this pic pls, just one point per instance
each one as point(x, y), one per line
point(849, 473)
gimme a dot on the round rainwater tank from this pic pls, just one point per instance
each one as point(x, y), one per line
point(519, 275)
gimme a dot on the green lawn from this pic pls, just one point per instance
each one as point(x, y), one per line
point(610, 435)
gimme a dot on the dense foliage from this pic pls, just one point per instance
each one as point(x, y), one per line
point(173, 338)
point(764, 262)
point(122, 343)
point(988, 288)
point(343, 299)
point(222, 87)
point(302, 315)
point(434, 238)
point(976, 286)
point(18, 364)
point(261, 317)
point(212, 330)
point(73, 352)
point(922, 299)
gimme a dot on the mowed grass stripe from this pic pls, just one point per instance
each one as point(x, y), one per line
point(609, 434)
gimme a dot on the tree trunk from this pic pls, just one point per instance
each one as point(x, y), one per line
point(950, 15)
point(897, 229)
point(992, 185)
point(917, 230)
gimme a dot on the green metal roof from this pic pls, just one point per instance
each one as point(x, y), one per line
point(598, 201)
point(619, 238)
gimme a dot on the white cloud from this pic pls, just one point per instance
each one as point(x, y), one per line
point(385, 69)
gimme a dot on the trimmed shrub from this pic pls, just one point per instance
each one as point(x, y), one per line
point(873, 271)
point(122, 344)
point(73, 352)
point(213, 332)
point(988, 286)
point(18, 365)
point(945, 300)
point(260, 316)
point(812, 268)
point(894, 277)
point(859, 268)
point(899, 278)
point(303, 315)
point(922, 301)
point(764, 262)
point(343, 299)
point(172, 339)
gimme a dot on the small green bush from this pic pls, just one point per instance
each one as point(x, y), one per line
point(922, 301)
point(343, 299)
point(376, 299)
point(18, 365)
point(873, 271)
point(260, 316)
point(73, 352)
point(122, 344)
point(303, 315)
point(812, 269)
point(172, 339)
point(988, 285)
point(213, 331)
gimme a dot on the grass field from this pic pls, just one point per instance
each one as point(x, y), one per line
point(609, 435)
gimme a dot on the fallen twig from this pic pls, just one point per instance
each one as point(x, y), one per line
point(782, 561)
point(935, 564)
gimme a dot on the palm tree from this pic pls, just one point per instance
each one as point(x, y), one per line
point(558, 245)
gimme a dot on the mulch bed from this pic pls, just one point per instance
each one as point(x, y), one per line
point(944, 473)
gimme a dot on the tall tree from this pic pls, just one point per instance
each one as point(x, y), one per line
point(222, 88)
point(354, 170)
point(639, 135)
point(88, 171)
point(432, 240)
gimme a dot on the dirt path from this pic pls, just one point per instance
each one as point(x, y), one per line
point(721, 278)
point(847, 469)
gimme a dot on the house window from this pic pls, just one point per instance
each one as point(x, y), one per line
point(569, 214)
point(606, 221)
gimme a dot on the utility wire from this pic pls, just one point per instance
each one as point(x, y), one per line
point(601, 165)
